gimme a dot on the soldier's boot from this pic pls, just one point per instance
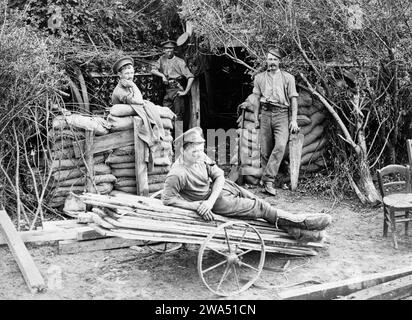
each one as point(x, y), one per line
point(306, 221)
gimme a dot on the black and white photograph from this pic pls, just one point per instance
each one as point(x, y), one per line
point(206, 158)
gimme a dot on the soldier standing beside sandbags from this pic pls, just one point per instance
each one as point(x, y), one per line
point(173, 71)
point(277, 91)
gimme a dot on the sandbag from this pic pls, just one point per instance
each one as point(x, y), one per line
point(159, 170)
point(95, 123)
point(130, 189)
point(125, 182)
point(311, 157)
point(316, 118)
point(168, 138)
point(162, 153)
point(57, 134)
point(313, 135)
point(250, 135)
point(252, 171)
point(73, 162)
point(249, 116)
point(109, 178)
point(56, 202)
point(251, 103)
point(122, 165)
point(66, 153)
point(124, 172)
point(156, 178)
point(163, 161)
point(304, 99)
point(249, 161)
point(314, 146)
point(113, 158)
point(312, 167)
point(251, 146)
point(156, 187)
point(120, 123)
point(78, 172)
point(127, 150)
point(162, 145)
point(309, 110)
point(164, 112)
point(303, 120)
point(152, 188)
point(103, 188)
point(248, 153)
point(62, 144)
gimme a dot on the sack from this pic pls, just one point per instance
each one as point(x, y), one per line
point(164, 112)
point(310, 109)
point(112, 158)
point(251, 180)
point(314, 146)
point(311, 157)
point(103, 188)
point(167, 123)
point(120, 123)
point(156, 187)
point(163, 161)
point(303, 120)
point(127, 150)
point(313, 135)
point(122, 165)
point(316, 118)
point(58, 134)
point(97, 124)
point(304, 99)
point(126, 172)
point(252, 171)
point(66, 153)
point(80, 171)
point(157, 178)
point(56, 201)
point(81, 181)
point(125, 182)
point(73, 162)
point(159, 170)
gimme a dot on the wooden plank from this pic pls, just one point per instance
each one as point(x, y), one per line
point(295, 152)
point(409, 148)
point(88, 157)
point(88, 235)
point(195, 104)
point(73, 246)
point(28, 268)
point(390, 290)
point(142, 184)
point(332, 290)
point(107, 142)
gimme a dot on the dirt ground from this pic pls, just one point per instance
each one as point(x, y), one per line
point(355, 246)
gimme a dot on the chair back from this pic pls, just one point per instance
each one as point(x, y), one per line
point(394, 178)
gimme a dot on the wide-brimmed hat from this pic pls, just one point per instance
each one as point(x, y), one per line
point(276, 51)
point(121, 63)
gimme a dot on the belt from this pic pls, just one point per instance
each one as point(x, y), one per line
point(273, 106)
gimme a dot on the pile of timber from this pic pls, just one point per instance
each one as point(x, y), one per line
point(69, 173)
point(389, 285)
point(311, 120)
point(143, 218)
point(122, 160)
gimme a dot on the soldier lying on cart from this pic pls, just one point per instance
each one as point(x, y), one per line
point(196, 183)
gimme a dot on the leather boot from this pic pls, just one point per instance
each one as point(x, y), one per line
point(308, 221)
point(269, 188)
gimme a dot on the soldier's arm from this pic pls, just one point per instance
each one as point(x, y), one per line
point(171, 196)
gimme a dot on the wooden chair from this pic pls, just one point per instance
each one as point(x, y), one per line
point(395, 188)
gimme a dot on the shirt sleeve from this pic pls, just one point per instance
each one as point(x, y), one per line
point(184, 69)
point(256, 87)
point(156, 65)
point(292, 87)
point(171, 190)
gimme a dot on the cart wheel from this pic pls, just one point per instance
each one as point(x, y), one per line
point(226, 263)
point(163, 247)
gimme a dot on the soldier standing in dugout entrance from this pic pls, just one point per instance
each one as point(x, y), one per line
point(174, 73)
point(278, 100)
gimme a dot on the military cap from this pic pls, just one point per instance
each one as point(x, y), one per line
point(192, 135)
point(122, 62)
point(276, 51)
point(169, 44)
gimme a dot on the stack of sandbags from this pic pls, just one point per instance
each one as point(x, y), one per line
point(313, 130)
point(247, 143)
point(311, 120)
point(122, 160)
point(68, 172)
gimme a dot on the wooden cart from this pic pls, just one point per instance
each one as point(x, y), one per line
point(232, 252)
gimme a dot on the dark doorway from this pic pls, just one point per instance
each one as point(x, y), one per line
point(226, 85)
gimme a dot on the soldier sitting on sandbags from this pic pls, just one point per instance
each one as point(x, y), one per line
point(196, 183)
point(126, 90)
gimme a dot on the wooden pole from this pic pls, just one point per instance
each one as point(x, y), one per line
point(28, 268)
point(142, 184)
point(89, 161)
point(195, 104)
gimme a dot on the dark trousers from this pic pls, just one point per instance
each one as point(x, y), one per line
point(274, 135)
point(174, 102)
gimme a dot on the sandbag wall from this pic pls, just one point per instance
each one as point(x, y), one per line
point(122, 160)
point(69, 173)
point(311, 120)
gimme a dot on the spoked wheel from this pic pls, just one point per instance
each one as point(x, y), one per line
point(163, 247)
point(229, 261)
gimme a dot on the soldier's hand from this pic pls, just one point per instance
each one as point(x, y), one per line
point(165, 81)
point(204, 207)
point(181, 93)
point(294, 128)
point(208, 216)
point(126, 83)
